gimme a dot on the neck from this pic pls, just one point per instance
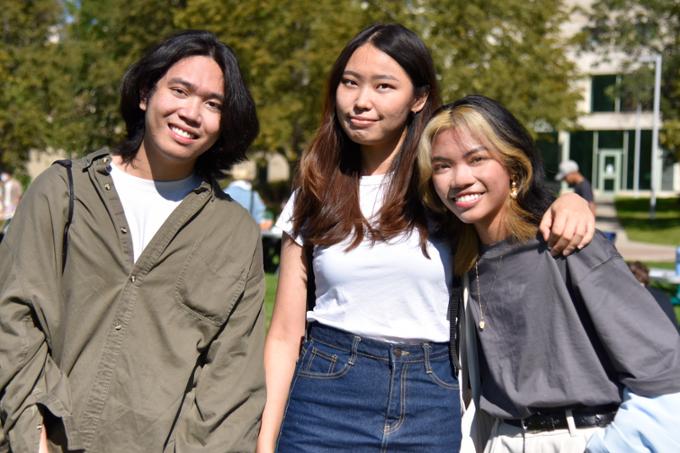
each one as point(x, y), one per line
point(377, 159)
point(149, 165)
point(491, 232)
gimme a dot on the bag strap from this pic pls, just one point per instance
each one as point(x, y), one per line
point(455, 302)
point(67, 164)
point(311, 283)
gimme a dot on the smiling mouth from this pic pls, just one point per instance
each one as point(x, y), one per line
point(183, 133)
point(467, 198)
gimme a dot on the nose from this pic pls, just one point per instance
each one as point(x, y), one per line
point(191, 111)
point(461, 177)
point(363, 99)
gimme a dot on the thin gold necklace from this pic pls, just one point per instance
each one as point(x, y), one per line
point(482, 323)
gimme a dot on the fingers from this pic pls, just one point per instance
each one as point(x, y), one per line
point(571, 225)
point(544, 226)
point(589, 234)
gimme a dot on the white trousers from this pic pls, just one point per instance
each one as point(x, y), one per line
point(507, 438)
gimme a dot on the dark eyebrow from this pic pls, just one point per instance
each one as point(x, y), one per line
point(375, 77)
point(192, 87)
point(474, 150)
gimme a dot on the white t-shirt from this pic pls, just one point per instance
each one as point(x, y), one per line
point(389, 290)
point(148, 203)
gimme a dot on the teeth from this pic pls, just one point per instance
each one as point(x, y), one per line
point(181, 132)
point(468, 198)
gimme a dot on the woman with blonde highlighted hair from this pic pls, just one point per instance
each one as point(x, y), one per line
point(567, 354)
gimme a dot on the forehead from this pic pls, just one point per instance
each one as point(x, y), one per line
point(198, 70)
point(454, 140)
point(369, 61)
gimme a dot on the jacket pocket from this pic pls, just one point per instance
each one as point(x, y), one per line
point(209, 294)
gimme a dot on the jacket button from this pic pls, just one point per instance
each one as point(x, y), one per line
point(123, 230)
point(133, 278)
point(107, 186)
point(117, 327)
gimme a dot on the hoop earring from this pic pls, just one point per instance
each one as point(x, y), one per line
point(513, 190)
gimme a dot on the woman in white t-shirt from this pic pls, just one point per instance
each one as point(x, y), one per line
point(374, 371)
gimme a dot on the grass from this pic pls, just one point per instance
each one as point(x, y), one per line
point(270, 283)
point(633, 215)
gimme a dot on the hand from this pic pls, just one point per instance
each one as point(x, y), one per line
point(568, 224)
point(42, 446)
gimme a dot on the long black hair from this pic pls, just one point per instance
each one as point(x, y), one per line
point(238, 123)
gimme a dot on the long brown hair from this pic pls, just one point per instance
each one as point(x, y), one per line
point(327, 201)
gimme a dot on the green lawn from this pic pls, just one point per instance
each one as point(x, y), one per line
point(633, 214)
point(270, 281)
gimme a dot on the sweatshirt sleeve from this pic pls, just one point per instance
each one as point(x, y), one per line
point(30, 270)
point(641, 424)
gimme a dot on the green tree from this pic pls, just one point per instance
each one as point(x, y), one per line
point(31, 92)
point(508, 49)
point(641, 28)
point(511, 50)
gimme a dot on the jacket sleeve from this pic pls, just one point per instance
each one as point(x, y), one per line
point(227, 400)
point(642, 346)
point(30, 271)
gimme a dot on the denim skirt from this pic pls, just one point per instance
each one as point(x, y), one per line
point(362, 395)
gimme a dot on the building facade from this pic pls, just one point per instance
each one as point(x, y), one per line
point(612, 141)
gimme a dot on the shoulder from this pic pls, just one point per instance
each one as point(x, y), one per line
point(230, 213)
point(599, 255)
point(48, 183)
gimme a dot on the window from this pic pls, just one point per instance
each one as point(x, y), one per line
point(603, 98)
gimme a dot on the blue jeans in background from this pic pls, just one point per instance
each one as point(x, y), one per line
point(361, 395)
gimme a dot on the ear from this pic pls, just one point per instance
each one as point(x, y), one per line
point(419, 102)
point(143, 98)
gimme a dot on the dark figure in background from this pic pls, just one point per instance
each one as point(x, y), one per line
point(641, 273)
point(143, 331)
point(569, 172)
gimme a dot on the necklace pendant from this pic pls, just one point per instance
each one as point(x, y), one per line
point(482, 324)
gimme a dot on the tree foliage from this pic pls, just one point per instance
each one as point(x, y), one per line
point(32, 84)
point(508, 49)
point(642, 28)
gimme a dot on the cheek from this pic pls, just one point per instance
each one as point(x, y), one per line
point(441, 187)
point(213, 127)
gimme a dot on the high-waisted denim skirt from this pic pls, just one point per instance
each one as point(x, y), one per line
point(354, 394)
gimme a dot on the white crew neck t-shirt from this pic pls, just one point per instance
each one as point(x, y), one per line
point(388, 290)
point(147, 203)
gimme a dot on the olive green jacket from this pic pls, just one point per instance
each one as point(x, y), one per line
point(162, 354)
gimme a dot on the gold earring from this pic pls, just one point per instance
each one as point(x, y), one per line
point(513, 190)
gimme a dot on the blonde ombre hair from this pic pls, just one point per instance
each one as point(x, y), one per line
point(509, 143)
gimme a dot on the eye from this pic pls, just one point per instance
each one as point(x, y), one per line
point(438, 167)
point(214, 105)
point(178, 91)
point(384, 87)
point(348, 82)
point(477, 159)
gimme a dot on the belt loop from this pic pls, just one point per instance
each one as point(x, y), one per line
point(570, 422)
point(426, 352)
point(355, 346)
